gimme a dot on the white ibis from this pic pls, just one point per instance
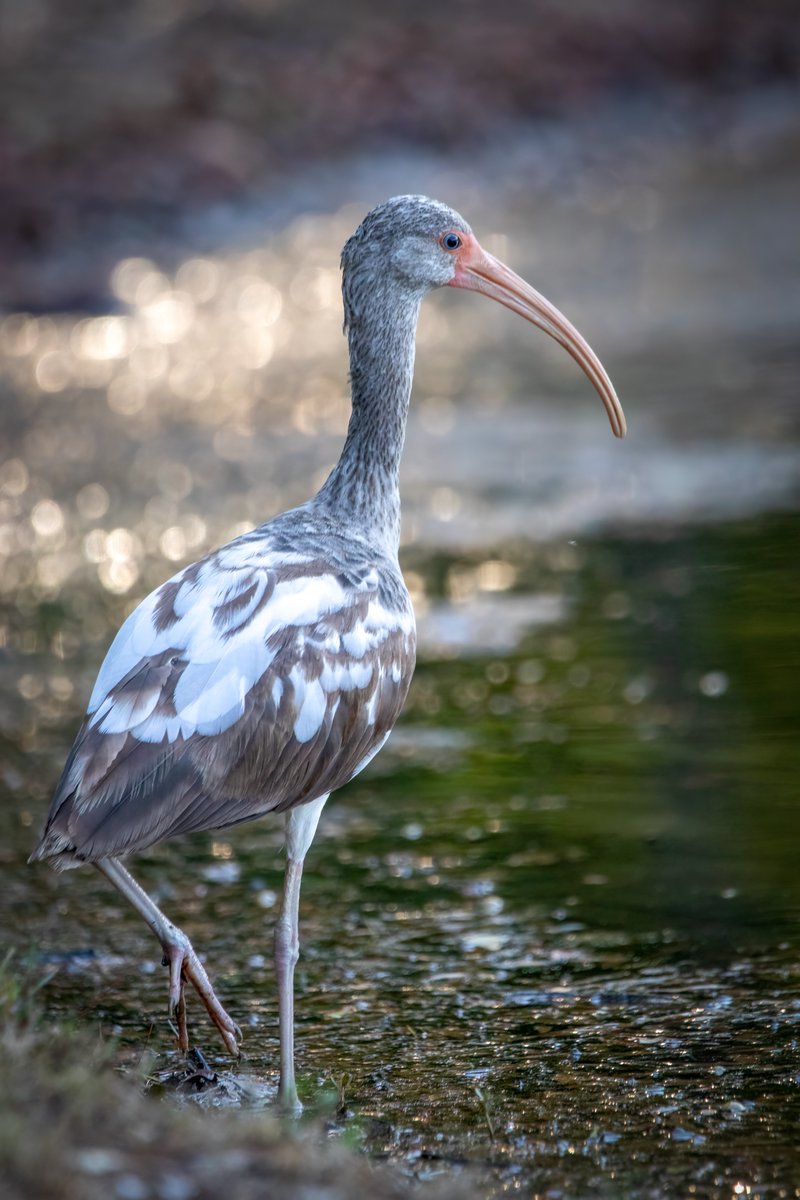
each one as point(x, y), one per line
point(269, 673)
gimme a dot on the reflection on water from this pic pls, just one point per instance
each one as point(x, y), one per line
point(551, 939)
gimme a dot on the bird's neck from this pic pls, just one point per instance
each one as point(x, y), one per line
point(364, 485)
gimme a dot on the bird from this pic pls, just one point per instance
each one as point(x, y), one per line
point(269, 673)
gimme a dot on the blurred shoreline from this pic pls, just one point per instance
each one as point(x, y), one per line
point(199, 124)
point(595, 160)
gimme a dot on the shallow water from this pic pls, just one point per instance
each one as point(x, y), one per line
point(550, 938)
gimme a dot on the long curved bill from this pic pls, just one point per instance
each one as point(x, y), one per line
point(482, 272)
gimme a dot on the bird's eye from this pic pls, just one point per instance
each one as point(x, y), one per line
point(451, 241)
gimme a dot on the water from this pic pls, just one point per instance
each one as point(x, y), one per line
point(550, 938)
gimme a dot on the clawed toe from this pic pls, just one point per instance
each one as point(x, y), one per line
point(231, 1036)
point(185, 966)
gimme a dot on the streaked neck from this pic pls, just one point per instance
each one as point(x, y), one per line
point(364, 485)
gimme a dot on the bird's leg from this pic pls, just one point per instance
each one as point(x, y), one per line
point(181, 1029)
point(179, 956)
point(301, 825)
point(287, 950)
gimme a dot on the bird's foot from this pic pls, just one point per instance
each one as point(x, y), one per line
point(184, 965)
point(289, 1102)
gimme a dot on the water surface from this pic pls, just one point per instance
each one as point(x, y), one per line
point(550, 937)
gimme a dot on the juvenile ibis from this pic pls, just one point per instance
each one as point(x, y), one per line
point(269, 673)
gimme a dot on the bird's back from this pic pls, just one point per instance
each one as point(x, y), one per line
point(261, 677)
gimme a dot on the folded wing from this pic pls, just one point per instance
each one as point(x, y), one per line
point(252, 681)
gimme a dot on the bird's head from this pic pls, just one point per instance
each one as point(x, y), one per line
point(421, 244)
point(405, 237)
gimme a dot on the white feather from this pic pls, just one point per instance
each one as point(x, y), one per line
point(381, 620)
point(124, 711)
point(126, 650)
point(356, 643)
point(372, 705)
point(226, 658)
point(360, 674)
point(158, 728)
point(240, 615)
point(312, 706)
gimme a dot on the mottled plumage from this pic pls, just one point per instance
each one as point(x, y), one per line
point(267, 674)
point(254, 680)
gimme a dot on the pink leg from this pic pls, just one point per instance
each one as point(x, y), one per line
point(179, 956)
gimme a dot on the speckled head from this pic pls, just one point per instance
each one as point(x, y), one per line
point(406, 237)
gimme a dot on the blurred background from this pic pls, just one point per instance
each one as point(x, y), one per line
point(569, 885)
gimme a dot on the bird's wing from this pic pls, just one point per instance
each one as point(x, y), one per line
point(251, 681)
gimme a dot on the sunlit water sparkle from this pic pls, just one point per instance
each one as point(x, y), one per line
point(550, 938)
